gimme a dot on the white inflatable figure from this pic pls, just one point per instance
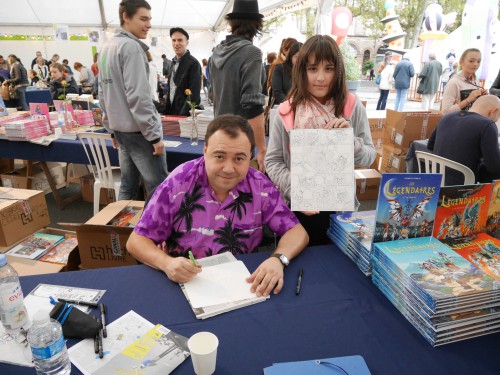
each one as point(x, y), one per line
point(479, 27)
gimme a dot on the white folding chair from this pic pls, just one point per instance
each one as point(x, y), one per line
point(105, 175)
point(437, 164)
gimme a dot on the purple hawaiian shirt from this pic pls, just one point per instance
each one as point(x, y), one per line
point(184, 211)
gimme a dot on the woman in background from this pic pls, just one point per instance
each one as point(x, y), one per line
point(86, 77)
point(386, 71)
point(286, 44)
point(281, 81)
point(61, 83)
point(463, 88)
point(318, 99)
point(18, 79)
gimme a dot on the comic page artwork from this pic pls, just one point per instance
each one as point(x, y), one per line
point(322, 170)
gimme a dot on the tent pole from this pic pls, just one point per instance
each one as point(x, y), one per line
point(103, 15)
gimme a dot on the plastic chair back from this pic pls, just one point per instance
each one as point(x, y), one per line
point(437, 164)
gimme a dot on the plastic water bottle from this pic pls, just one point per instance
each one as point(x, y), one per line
point(12, 310)
point(48, 347)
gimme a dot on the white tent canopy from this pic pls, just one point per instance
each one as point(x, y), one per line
point(36, 20)
point(190, 14)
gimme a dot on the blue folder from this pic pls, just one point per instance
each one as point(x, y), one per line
point(353, 365)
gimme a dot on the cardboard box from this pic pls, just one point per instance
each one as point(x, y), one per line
point(6, 165)
point(402, 128)
point(101, 245)
point(377, 121)
point(393, 160)
point(367, 184)
point(27, 267)
point(75, 171)
point(22, 212)
point(106, 196)
point(38, 181)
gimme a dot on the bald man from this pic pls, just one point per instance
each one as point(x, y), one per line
point(470, 138)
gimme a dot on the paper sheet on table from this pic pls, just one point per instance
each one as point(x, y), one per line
point(322, 170)
point(38, 299)
point(121, 333)
point(12, 352)
point(222, 283)
point(172, 143)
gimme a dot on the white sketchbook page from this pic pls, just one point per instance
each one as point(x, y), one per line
point(322, 170)
point(218, 284)
point(121, 333)
point(12, 352)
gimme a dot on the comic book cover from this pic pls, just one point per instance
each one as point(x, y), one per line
point(3, 108)
point(406, 206)
point(59, 254)
point(35, 245)
point(434, 270)
point(97, 115)
point(124, 216)
point(493, 220)
point(40, 109)
point(481, 250)
point(358, 225)
point(462, 211)
point(58, 104)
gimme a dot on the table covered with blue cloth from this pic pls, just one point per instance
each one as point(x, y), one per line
point(339, 312)
point(71, 151)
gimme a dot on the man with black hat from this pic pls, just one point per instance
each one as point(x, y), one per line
point(184, 74)
point(236, 72)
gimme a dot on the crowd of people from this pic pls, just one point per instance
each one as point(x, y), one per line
point(42, 74)
point(217, 202)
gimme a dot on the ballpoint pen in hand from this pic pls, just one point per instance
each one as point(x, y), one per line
point(103, 319)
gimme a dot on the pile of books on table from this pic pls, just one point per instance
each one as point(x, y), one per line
point(445, 296)
point(202, 122)
point(353, 234)
point(26, 129)
point(170, 125)
point(38, 245)
point(84, 117)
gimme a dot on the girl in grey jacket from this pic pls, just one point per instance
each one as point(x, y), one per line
point(318, 99)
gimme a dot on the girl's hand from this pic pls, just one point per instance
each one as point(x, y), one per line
point(474, 95)
point(337, 123)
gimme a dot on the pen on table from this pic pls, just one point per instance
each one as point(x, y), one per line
point(191, 256)
point(299, 281)
point(103, 319)
point(101, 348)
point(96, 338)
point(74, 302)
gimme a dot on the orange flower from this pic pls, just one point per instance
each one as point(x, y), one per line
point(187, 92)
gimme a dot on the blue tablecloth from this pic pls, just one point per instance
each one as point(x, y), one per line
point(338, 313)
point(71, 151)
point(38, 96)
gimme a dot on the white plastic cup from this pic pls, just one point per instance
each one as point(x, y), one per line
point(58, 132)
point(203, 348)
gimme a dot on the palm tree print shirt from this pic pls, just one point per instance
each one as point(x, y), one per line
point(184, 213)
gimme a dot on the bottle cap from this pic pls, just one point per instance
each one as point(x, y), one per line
point(3, 260)
point(41, 317)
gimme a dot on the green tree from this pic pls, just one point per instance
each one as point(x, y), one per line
point(411, 14)
point(369, 64)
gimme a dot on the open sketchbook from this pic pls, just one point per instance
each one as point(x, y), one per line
point(210, 310)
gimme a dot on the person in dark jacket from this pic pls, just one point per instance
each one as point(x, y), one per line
point(185, 74)
point(470, 138)
point(18, 79)
point(402, 77)
point(281, 81)
point(495, 87)
point(61, 83)
point(236, 72)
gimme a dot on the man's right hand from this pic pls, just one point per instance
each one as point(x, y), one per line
point(115, 143)
point(180, 270)
point(261, 157)
point(159, 148)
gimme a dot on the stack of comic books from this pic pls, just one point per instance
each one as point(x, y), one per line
point(27, 129)
point(36, 245)
point(353, 234)
point(443, 295)
point(493, 219)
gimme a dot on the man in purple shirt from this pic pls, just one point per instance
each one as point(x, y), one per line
point(215, 204)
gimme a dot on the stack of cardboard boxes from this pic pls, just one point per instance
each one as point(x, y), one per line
point(22, 213)
point(392, 133)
